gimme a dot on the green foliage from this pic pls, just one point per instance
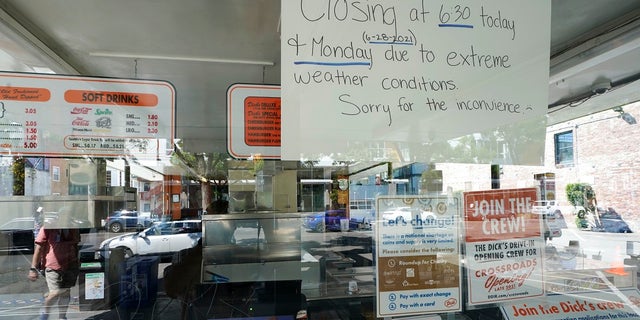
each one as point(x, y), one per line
point(575, 193)
point(202, 166)
point(17, 169)
point(207, 168)
point(581, 223)
point(431, 179)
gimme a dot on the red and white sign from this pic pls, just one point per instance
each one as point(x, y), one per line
point(53, 115)
point(253, 121)
point(504, 245)
point(600, 304)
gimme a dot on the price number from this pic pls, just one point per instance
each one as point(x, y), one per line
point(30, 145)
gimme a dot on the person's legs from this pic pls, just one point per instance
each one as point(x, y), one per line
point(63, 302)
point(67, 281)
point(59, 284)
point(54, 280)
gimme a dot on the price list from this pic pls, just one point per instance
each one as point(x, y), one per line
point(61, 117)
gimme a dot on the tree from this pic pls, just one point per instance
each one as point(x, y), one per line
point(18, 175)
point(577, 196)
point(431, 180)
point(209, 169)
point(576, 193)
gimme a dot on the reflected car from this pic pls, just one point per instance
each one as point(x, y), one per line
point(551, 208)
point(16, 236)
point(407, 214)
point(84, 225)
point(161, 239)
point(328, 221)
point(552, 219)
point(611, 221)
point(123, 220)
point(396, 213)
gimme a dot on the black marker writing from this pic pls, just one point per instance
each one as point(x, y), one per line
point(365, 108)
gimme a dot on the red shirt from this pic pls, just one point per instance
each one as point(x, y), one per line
point(61, 247)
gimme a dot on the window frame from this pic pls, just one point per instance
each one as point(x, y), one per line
point(563, 158)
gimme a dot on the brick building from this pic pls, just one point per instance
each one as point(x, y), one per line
point(602, 149)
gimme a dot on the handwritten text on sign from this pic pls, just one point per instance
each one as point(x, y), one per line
point(379, 68)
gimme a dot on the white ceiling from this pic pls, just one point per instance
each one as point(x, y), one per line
point(203, 46)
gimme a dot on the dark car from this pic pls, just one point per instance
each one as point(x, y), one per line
point(84, 225)
point(123, 220)
point(611, 221)
point(328, 221)
point(17, 236)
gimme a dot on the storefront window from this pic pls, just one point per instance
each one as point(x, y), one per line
point(319, 160)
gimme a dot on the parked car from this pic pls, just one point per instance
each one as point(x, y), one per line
point(328, 221)
point(611, 221)
point(407, 214)
point(123, 220)
point(551, 207)
point(84, 225)
point(16, 236)
point(399, 212)
point(551, 223)
point(162, 239)
point(363, 211)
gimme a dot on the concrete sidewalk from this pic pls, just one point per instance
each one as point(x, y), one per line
point(27, 307)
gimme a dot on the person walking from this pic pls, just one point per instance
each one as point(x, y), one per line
point(38, 220)
point(56, 250)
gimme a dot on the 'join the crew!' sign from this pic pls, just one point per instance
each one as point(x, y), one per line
point(504, 242)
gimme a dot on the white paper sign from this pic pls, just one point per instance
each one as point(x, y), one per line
point(412, 71)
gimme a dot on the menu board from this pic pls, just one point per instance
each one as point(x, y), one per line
point(504, 245)
point(414, 72)
point(417, 255)
point(52, 115)
point(253, 121)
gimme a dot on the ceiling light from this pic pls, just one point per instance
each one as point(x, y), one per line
point(315, 181)
point(129, 55)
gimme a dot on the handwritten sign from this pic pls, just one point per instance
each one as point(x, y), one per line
point(52, 115)
point(414, 71)
point(417, 255)
point(504, 245)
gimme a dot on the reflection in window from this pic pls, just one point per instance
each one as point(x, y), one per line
point(563, 146)
point(55, 171)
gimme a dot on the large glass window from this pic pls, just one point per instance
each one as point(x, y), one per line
point(448, 169)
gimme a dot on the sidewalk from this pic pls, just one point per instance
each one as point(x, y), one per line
point(27, 307)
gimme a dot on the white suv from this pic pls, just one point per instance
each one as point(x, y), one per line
point(161, 239)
